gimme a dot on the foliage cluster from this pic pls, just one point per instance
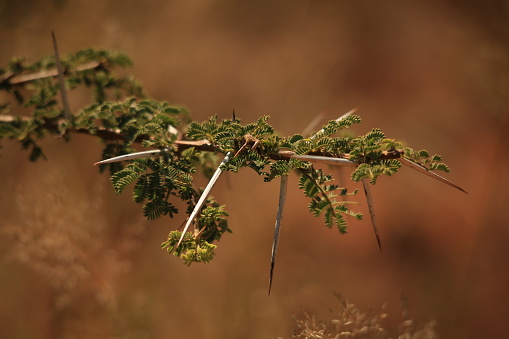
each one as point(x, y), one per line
point(33, 89)
point(350, 322)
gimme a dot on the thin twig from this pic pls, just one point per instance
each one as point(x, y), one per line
point(61, 80)
point(279, 218)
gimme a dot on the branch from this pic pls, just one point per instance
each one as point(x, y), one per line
point(206, 146)
point(112, 135)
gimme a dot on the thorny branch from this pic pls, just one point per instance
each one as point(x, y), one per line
point(63, 126)
point(200, 145)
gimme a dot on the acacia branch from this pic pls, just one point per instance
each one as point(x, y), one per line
point(200, 145)
point(204, 145)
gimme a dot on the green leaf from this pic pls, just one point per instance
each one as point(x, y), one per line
point(124, 178)
point(156, 208)
point(423, 154)
point(439, 166)
point(316, 185)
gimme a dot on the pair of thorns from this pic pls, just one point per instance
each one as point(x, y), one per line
point(249, 139)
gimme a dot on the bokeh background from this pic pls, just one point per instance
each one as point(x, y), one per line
point(79, 262)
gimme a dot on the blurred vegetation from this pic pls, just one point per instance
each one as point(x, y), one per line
point(350, 322)
point(413, 69)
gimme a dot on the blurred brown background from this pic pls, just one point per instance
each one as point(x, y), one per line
point(80, 262)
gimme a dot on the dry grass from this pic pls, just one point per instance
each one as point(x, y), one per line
point(351, 322)
point(67, 241)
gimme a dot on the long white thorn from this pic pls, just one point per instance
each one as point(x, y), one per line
point(279, 219)
point(371, 208)
point(61, 80)
point(203, 197)
point(424, 170)
point(155, 152)
point(352, 111)
point(317, 119)
point(131, 156)
point(325, 160)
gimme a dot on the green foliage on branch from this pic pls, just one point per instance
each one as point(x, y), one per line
point(32, 87)
point(323, 193)
point(121, 116)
